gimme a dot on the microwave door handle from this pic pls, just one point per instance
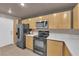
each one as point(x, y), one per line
point(44, 24)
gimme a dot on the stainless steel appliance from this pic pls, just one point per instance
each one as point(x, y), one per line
point(21, 30)
point(42, 24)
point(40, 43)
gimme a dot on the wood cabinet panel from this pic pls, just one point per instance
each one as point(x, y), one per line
point(54, 48)
point(57, 20)
point(15, 22)
point(32, 23)
point(66, 51)
point(76, 17)
point(51, 21)
point(29, 42)
point(25, 21)
point(45, 17)
point(66, 20)
point(61, 20)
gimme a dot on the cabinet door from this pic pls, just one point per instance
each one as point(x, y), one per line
point(66, 20)
point(29, 42)
point(32, 23)
point(54, 48)
point(76, 17)
point(51, 21)
point(45, 17)
point(62, 20)
point(57, 20)
point(66, 51)
point(25, 21)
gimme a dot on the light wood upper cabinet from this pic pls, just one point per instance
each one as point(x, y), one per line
point(57, 20)
point(42, 18)
point(76, 17)
point(29, 42)
point(51, 21)
point(54, 48)
point(66, 20)
point(32, 23)
point(25, 21)
point(61, 20)
point(45, 17)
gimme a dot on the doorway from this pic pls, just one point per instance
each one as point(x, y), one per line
point(6, 31)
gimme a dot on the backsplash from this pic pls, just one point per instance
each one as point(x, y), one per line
point(64, 34)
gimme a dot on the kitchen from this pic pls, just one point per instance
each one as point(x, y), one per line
point(53, 34)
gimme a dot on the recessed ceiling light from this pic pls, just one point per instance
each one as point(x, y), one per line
point(22, 4)
point(9, 11)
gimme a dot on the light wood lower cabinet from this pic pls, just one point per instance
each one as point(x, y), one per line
point(57, 48)
point(66, 51)
point(29, 42)
point(54, 48)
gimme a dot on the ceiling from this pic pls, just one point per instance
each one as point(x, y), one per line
point(33, 9)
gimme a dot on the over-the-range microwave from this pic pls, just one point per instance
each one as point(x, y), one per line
point(42, 24)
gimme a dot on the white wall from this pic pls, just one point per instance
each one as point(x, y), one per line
point(6, 28)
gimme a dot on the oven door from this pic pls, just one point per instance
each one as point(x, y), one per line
point(40, 45)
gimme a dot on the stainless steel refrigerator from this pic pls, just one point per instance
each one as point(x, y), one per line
point(22, 29)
